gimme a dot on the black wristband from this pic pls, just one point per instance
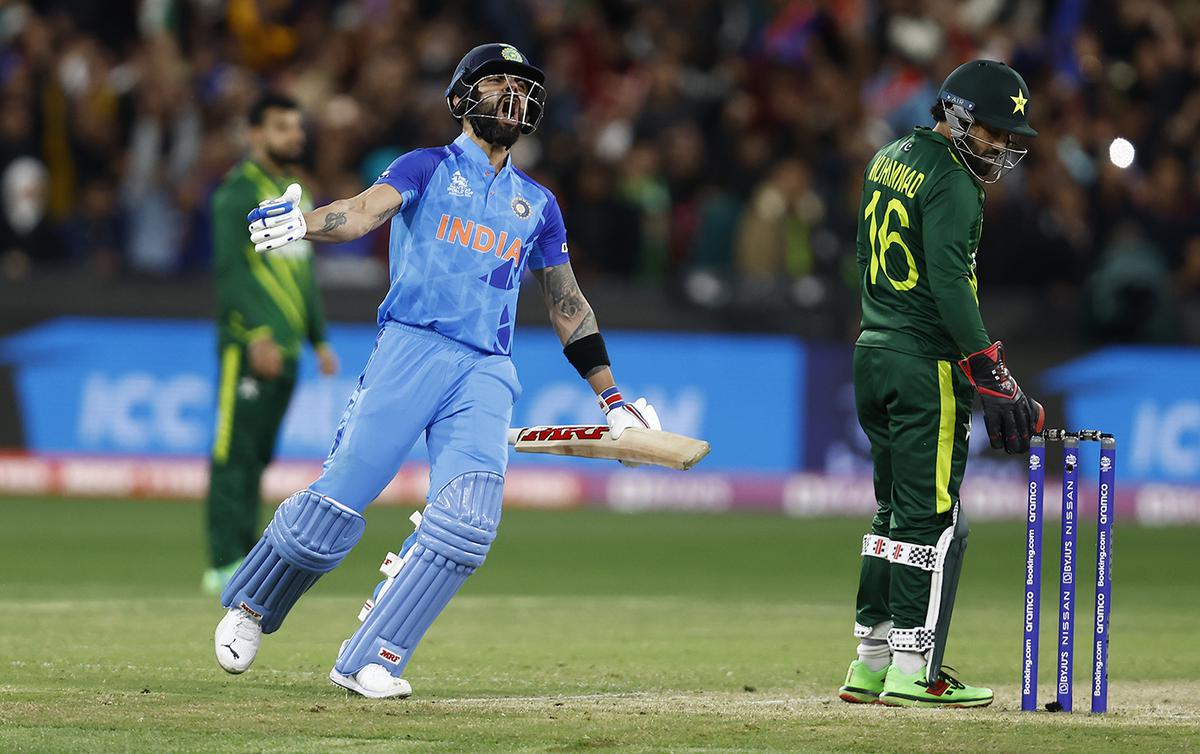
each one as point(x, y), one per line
point(587, 353)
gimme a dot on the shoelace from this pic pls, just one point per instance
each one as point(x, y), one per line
point(950, 680)
point(246, 628)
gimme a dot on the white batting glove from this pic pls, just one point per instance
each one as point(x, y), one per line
point(621, 415)
point(277, 222)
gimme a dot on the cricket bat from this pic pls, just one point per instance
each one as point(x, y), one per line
point(593, 441)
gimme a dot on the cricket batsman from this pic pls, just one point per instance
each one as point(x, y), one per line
point(922, 356)
point(268, 305)
point(465, 224)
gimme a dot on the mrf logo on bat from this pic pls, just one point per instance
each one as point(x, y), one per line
point(544, 434)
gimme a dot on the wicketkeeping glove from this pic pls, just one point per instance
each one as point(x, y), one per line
point(277, 222)
point(1009, 415)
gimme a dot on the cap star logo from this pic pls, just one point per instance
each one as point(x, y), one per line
point(510, 53)
point(1019, 103)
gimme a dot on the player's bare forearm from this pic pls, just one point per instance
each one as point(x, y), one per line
point(348, 219)
point(601, 379)
point(571, 314)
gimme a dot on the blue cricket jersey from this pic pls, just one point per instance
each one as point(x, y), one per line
point(461, 240)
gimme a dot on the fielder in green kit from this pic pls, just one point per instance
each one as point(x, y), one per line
point(268, 305)
point(922, 356)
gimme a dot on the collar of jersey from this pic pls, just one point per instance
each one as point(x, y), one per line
point(924, 132)
point(260, 174)
point(475, 154)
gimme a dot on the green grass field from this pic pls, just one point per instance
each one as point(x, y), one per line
point(586, 631)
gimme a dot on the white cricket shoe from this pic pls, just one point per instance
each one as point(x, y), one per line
point(237, 638)
point(372, 681)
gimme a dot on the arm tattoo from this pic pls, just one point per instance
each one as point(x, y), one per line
point(586, 327)
point(566, 303)
point(333, 220)
point(383, 217)
point(562, 292)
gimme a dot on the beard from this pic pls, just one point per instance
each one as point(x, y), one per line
point(984, 163)
point(284, 157)
point(981, 167)
point(495, 131)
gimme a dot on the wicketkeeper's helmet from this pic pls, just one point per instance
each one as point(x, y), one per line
point(995, 95)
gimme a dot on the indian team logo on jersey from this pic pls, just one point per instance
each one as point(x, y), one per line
point(459, 185)
point(521, 208)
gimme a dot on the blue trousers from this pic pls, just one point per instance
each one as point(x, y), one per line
point(420, 381)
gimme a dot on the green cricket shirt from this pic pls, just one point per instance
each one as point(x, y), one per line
point(260, 294)
point(918, 234)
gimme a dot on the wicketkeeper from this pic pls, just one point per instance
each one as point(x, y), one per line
point(268, 305)
point(465, 224)
point(922, 356)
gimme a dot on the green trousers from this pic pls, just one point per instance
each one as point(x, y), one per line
point(917, 414)
point(249, 412)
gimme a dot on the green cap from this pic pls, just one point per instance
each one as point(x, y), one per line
point(992, 93)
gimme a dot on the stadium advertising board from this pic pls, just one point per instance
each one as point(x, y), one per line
point(148, 388)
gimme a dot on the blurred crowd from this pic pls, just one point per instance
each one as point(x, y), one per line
point(713, 149)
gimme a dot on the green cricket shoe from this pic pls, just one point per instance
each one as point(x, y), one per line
point(863, 685)
point(911, 690)
point(215, 579)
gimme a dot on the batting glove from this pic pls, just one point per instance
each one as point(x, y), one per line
point(277, 222)
point(621, 415)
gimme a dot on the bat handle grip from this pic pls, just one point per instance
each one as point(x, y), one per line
point(513, 434)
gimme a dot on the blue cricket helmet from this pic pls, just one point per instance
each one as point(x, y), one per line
point(497, 58)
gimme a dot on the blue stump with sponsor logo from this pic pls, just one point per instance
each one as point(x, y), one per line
point(1066, 582)
point(1033, 572)
point(1104, 531)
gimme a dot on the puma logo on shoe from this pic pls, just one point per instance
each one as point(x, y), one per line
point(229, 646)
